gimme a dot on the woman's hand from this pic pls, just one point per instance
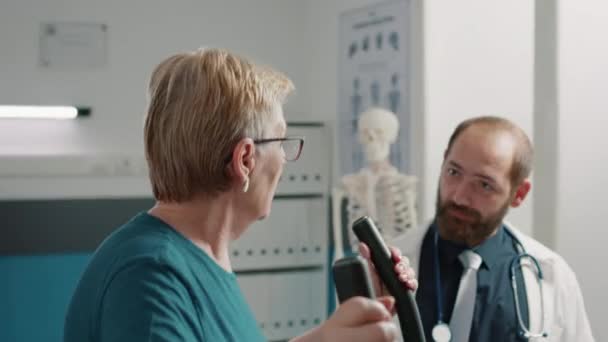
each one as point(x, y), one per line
point(406, 274)
point(361, 319)
point(358, 319)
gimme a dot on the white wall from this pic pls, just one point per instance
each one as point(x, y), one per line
point(141, 33)
point(582, 73)
point(478, 60)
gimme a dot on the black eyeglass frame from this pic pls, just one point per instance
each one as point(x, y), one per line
point(288, 138)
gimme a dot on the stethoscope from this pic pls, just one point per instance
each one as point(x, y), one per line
point(441, 331)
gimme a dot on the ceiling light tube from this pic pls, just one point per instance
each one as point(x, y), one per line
point(43, 112)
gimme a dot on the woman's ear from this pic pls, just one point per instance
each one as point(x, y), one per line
point(243, 160)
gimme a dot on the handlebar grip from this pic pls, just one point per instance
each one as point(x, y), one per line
point(351, 276)
point(407, 310)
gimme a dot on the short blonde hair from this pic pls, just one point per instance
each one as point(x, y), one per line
point(201, 104)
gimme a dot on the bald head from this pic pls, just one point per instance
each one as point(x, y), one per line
point(502, 130)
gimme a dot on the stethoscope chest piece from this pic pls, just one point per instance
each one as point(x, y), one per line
point(441, 332)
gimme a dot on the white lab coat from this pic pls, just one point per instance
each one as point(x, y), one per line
point(565, 316)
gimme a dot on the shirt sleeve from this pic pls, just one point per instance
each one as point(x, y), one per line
point(148, 302)
point(578, 327)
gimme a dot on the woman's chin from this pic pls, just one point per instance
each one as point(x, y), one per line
point(262, 217)
point(264, 213)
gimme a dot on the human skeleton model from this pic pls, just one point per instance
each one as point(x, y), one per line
point(377, 190)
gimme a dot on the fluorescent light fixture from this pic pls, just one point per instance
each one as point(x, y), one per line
point(43, 112)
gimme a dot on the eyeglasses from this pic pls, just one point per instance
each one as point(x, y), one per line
point(292, 146)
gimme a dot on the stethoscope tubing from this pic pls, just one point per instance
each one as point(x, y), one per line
point(514, 263)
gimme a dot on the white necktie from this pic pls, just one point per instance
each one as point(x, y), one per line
point(462, 315)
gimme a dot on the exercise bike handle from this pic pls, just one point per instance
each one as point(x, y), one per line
point(407, 310)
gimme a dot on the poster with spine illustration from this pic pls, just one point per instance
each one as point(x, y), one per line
point(373, 64)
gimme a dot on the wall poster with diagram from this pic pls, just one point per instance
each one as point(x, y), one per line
point(373, 61)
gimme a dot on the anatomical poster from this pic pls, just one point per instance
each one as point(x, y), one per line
point(373, 64)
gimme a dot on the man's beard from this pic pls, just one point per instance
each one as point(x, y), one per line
point(472, 229)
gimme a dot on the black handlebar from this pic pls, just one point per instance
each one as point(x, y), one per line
point(407, 310)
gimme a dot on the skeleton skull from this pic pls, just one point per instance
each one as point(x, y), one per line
point(378, 190)
point(378, 129)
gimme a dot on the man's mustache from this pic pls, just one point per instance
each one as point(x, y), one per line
point(464, 210)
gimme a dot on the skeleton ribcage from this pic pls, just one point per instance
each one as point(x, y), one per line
point(395, 202)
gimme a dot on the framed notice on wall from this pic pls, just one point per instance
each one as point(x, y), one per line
point(65, 45)
point(374, 61)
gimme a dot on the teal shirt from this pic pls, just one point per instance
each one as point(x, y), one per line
point(147, 282)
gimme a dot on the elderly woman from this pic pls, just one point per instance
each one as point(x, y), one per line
point(216, 143)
